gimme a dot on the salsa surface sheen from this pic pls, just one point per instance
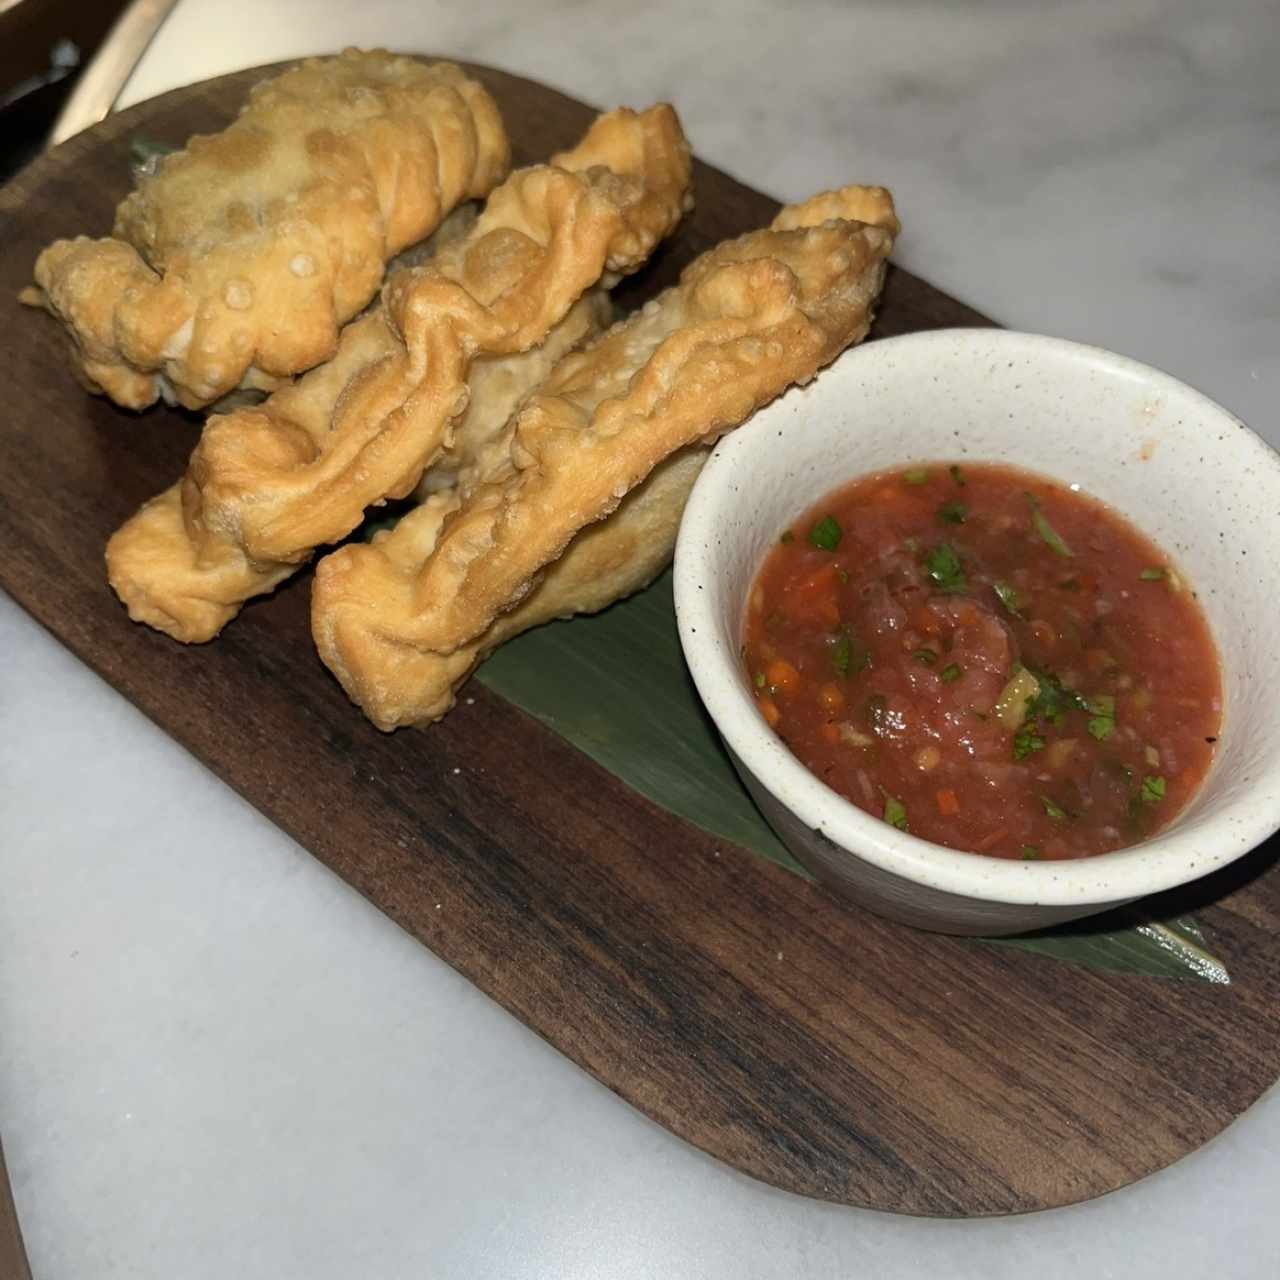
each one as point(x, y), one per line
point(987, 659)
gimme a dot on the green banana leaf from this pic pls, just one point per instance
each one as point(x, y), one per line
point(616, 686)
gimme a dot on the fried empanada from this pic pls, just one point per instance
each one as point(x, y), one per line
point(237, 263)
point(584, 506)
point(265, 486)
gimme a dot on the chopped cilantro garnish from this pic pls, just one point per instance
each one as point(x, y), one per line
point(1030, 853)
point(949, 673)
point(848, 657)
point(925, 656)
point(1045, 529)
point(826, 534)
point(953, 513)
point(1152, 789)
point(787, 536)
point(759, 679)
point(1103, 716)
point(1056, 812)
point(1008, 596)
point(1054, 699)
point(1137, 816)
point(916, 475)
point(1152, 575)
point(1027, 740)
point(840, 653)
point(895, 812)
point(956, 476)
point(944, 568)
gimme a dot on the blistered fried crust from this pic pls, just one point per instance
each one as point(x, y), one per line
point(265, 486)
point(585, 506)
point(239, 261)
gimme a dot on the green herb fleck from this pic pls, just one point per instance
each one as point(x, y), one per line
point(949, 673)
point(916, 475)
point(843, 575)
point(1008, 596)
point(1137, 815)
point(1054, 698)
point(953, 513)
point(840, 653)
point(1042, 526)
point(1030, 853)
point(944, 568)
point(925, 656)
point(1152, 789)
point(1152, 575)
point(1027, 740)
point(1102, 719)
point(956, 475)
point(895, 812)
point(848, 657)
point(759, 679)
point(826, 534)
point(787, 536)
point(1056, 812)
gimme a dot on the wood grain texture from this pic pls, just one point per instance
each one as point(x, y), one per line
point(13, 1254)
point(812, 1046)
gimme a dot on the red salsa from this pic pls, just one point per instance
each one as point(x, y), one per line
point(986, 659)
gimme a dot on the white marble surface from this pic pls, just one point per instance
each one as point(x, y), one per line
point(217, 1060)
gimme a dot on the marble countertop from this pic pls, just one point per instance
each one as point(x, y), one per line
point(216, 1059)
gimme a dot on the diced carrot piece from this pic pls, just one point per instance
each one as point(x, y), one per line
point(781, 676)
point(830, 696)
point(813, 599)
point(769, 709)
point(924, 619)
point(948, 803)
point(1044, 633)
point(1098, 659)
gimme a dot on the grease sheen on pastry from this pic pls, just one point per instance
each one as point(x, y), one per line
point(583, 507)
point(265, 486)
point(236, 264)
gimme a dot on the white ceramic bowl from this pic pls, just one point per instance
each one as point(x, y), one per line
point(1184, 470)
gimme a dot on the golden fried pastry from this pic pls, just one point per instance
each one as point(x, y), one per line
point(238, 262)
point(497, 384)
point(267, 485)
point(584, 507)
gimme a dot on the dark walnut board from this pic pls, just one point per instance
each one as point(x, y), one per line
point(806, 1043)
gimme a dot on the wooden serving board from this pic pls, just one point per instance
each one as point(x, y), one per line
point(810, 1045)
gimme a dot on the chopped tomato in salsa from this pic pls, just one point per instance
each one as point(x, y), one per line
point(988, 660)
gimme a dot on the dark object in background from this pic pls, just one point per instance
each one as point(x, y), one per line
point(43, 46)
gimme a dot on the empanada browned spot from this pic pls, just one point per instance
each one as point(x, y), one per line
point(237, 263)
point(584, 506)
point(267, 485)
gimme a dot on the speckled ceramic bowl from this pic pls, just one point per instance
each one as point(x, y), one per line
point(1186, 472)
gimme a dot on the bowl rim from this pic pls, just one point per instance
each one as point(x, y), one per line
point(1171, 858)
